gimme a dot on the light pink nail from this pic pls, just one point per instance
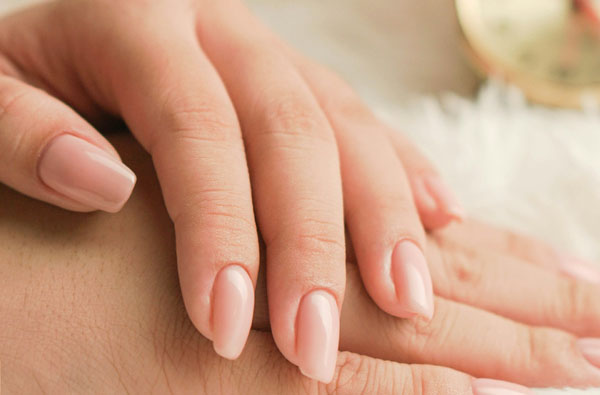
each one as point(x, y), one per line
point(412, 279)
point(85, 173)
point(444, 198)
point(579, 269)
point(497, 387)
point(318, 332)
point(233, 307)
point(590, 348)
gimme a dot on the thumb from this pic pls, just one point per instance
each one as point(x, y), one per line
point(50, 153)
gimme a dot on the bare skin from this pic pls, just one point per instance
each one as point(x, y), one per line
point(91, 303)
point(246, 136)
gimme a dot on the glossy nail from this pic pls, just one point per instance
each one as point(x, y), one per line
point(497, 387)
point(444, 198)
point(318, 332)
point(579, 269)
point(412, 280)
point(233, 307)
point(590, 348)
point(85, 173)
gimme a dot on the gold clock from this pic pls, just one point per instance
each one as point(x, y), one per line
point(548, 48)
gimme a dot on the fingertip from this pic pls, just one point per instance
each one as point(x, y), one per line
point(437, 204)
point(85, 173)
point(318, 330)
point(412, 280)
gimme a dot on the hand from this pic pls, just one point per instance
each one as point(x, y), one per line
point(89, 299)
point(503, 310)
point(92, 304)
point(236, 124)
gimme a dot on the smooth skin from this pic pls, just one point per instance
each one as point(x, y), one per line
point(245, 136)
point(91, 303)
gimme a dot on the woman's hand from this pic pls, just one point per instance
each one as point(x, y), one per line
point(237, 125)
point(93, 302)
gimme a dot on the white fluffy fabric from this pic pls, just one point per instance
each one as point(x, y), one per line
point(529, 168)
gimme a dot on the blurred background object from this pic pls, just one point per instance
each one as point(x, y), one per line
point(549, 48)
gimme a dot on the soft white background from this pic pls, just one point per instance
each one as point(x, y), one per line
point(531, 169)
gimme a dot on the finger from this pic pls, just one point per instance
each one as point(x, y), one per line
point(386, 231)
point(535, 296)
point(295, 174)
point(174, 102)
point(50, 153)
point(436, 204)
point(353, 374)
point(468, 339)
point(523, 247)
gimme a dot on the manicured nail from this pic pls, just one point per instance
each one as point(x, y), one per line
point(579, 269)
point(497, 387)
point(444, 198)
point(233, 307)
point(590, 348)
point(318, 333)
point(85, 173)
point(412, 280)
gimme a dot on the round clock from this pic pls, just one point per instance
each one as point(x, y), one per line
point(548, 48)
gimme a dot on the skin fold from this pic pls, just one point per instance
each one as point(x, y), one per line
point(91, 303)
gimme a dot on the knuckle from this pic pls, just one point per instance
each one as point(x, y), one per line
point(195, 119)
point(216, 209)
point(461, 266)
point(321, 238)
point(348, 106)
point(291, 121)
point(543, 349)
point(414, 383)
point(516, 244)
point(11, 98)
point(573, 302)
point(353, 375)
point(424, 336)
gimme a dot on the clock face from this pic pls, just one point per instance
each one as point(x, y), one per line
point(549, 40)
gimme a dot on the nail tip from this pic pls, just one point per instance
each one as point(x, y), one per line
point(457, 213)
point(226, 353)
point(493, 387)
point(326, 379)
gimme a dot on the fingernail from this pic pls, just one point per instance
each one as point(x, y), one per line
point(444, 198)
point(590, 348)
point(318, 332)
point(412, 280)
point(497, 387)
point(85, 173)
point(579, 269)
point(233, 307)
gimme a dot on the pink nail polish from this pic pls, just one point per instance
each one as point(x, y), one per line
point(445, 199)
point(412, 279)
point(590, 348)
point(497, 387)
point(233, 307)
point(317, 337)
point(85, 173)
point(579, 269)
